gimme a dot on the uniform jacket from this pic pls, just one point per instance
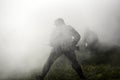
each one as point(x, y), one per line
point(65, 37)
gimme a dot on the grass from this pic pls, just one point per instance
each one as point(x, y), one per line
point(62, 70)
point(92, 72)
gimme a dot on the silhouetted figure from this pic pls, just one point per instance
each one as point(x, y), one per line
point(90, 40)
point(101, 53)
point(63, 40)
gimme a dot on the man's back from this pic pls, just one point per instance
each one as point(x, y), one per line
point(64, 36)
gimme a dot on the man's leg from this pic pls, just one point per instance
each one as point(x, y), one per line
point(72, 57)
point(53, 56)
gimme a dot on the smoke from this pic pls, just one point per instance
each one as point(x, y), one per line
point(26, 25)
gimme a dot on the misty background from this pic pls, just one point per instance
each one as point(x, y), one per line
point(26, 25)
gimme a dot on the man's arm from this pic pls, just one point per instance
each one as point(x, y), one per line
point(75, 36)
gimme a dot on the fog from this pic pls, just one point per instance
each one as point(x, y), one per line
point(26, 25)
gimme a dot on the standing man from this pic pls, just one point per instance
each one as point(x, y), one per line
point(63, 40)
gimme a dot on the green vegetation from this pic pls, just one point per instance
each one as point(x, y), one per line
point(100, 66)
point(92, 72)
point(62, 70)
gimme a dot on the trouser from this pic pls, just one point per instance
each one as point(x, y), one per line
point(57, 53)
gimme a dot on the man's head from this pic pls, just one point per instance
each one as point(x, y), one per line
point(59, 22)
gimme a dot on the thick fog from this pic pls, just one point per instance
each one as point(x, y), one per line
point(26, 25)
